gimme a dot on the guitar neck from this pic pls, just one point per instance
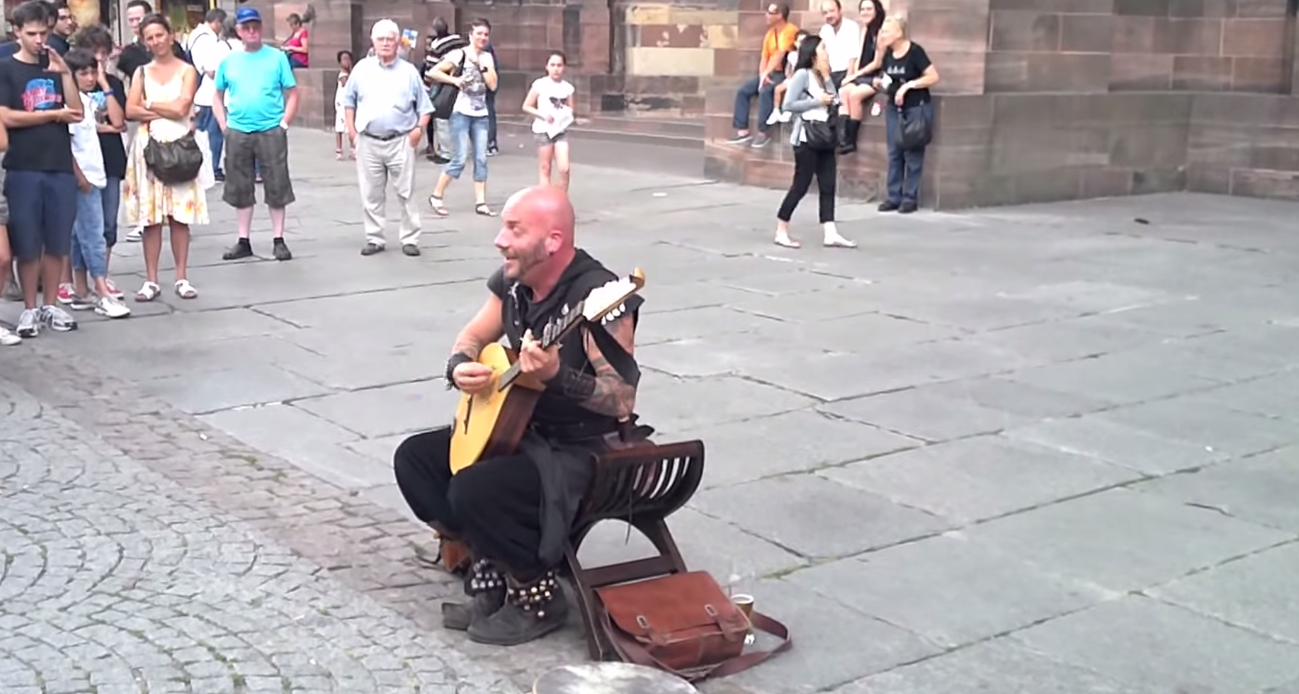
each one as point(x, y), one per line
point(557, 333)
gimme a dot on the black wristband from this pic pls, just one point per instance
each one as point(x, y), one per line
point(573, 384)
point(456, 360)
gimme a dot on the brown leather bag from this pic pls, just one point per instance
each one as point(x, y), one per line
point(685, 624)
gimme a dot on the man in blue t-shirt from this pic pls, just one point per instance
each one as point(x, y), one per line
point(256, 98)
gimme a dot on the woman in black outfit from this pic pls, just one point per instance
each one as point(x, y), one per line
point(908, 75)
point(859, 85)
point(810, 98)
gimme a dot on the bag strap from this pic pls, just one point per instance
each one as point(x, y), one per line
point(635, 653)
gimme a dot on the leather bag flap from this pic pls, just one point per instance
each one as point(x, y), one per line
point(655, 609)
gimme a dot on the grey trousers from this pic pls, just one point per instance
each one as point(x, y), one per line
point(378, 163)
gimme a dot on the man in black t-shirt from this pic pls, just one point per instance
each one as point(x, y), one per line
point(39, 183)
point(135, 54)
point(61, 30)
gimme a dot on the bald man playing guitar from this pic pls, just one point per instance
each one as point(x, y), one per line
point(515, 511)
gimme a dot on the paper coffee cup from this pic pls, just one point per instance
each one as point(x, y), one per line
point(744, 602)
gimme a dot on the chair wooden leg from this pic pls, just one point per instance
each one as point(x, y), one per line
point(586, 601)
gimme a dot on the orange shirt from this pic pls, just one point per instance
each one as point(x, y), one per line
point(778, 41)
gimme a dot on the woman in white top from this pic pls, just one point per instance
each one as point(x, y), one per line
point(162, 101)
point(550, 103)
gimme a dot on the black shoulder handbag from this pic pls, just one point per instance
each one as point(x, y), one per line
point(820, 135)
point(914, 131)
point(175, 162)
point(444, 99)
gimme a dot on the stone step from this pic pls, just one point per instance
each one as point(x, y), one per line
point(682, 133)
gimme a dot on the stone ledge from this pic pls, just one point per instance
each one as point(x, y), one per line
point(1003, 149)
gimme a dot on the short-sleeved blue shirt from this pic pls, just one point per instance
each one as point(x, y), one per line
point(252, 86)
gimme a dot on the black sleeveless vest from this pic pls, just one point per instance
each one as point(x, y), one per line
point(520, 313)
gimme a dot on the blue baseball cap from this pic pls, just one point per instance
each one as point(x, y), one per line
point(247, 14)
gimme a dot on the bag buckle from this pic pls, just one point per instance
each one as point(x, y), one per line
point(642, 622)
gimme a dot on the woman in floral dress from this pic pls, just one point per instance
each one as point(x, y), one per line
point(162, 101)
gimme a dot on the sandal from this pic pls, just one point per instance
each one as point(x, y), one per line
point(482, 209)
point(787, 242)
point(436, 203)
point(185, 290)
point(148, 292)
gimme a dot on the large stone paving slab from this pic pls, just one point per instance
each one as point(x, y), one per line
point(988, 592)
point(1260, 489)
point(1124, 540)
point(1000, 665)
point(978, 478)
point(1164, 648)
point(866, 412)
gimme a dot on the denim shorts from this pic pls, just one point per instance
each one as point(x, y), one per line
point(42, 208)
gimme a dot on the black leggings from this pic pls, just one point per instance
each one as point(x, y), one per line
point(807, 163)
point(494, 505)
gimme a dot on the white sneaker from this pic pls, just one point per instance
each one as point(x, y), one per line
point(135, 234)
point(57, 319)
point(113, 308)
point(8, 339)
point(29, 323)
point(785, 116)
point(774, 118)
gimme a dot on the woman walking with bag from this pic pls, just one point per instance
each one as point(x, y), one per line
point(161, 101)
point(811, 98)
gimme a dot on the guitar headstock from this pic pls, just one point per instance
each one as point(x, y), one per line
point(609, 297)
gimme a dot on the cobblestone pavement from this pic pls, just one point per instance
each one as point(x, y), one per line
point(115, 579)
point(1050, 449)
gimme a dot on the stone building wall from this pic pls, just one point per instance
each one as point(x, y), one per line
point(1045, 100)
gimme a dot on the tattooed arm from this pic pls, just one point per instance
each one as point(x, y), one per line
point(606, 392)
point(482, 330)
point(462, 369)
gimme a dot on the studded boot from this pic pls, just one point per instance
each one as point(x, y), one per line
point(531, 611)
point(485, 586)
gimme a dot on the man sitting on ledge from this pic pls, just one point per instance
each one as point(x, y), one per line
point(515, 512)
point(771, 71)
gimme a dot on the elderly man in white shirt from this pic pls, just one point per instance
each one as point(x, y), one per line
point(386, 109)
point(842, 39)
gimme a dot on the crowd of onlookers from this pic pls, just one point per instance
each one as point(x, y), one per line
point(820, 83)
point(82, 145)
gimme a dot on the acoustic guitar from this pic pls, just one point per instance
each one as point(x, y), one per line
point(492, 423)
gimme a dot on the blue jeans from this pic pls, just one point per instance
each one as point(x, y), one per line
point(467, 132)
point(766, 101)
point(112, 201)
point(905, 166)
point(89, 252)
point(207, 122)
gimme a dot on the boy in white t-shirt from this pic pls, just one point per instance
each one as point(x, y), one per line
point(550, 103)
point(89, 250)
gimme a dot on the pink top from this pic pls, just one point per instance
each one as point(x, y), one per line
point(296, 42)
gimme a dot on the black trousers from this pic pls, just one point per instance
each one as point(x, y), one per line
point(810, 162)
point(493, 505)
